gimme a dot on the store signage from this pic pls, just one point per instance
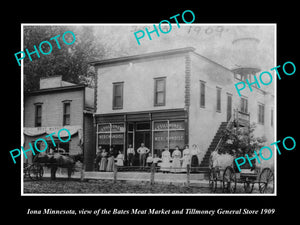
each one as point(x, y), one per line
point(117, 128)
point(115, 139)
point(111, 127)
point(104, 136)
point(113, 136)
point(104, 128)
point(172, 138)
point(175, 125)
point(117, 136)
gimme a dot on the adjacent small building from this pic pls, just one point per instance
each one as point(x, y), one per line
point(60, 104)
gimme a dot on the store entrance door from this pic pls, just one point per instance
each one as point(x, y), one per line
point(142, 137)
point(139, 132)
point(142, 134)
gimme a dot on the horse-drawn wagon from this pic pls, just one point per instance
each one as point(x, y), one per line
point(35, 170)
point(230, 177)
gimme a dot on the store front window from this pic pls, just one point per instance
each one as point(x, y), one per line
point(111, 134)
point(168, 134)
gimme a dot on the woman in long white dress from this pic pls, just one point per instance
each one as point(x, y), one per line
point(186, 158)
point(176, 165)
point(165, 157)
point(120, 159)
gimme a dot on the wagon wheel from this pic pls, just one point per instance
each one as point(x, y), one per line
point(248, 186)
point(25, 170)
point(266, 181)
point(212, 180)
point(229, 180)
point(35, 172)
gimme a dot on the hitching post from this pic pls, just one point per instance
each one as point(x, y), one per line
point(82, 165)
point(152, 173)
point(82, 172)
point(115, 172)
point(188, 174)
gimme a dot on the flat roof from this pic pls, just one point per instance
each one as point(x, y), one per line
point(142, 56)
point(54, 89)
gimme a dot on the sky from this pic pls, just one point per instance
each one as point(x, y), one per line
point(231, 45)
point(215, 42)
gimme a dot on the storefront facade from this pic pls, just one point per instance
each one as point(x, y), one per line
point(156, 129)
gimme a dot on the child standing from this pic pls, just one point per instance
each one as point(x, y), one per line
point(149, 160)
point(130, 155)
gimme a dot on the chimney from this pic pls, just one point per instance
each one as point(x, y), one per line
point(50, 82)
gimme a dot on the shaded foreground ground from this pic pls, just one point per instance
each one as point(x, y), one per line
point(76, 186)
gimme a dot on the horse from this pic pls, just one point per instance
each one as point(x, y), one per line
point(53, 161)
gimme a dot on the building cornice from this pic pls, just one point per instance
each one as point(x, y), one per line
point(56, 89)
point(142, 56)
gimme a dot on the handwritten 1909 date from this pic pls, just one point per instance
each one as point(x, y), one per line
point(195, 29)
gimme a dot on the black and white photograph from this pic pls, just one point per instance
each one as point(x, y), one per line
point(167, 116)
point(149, 114)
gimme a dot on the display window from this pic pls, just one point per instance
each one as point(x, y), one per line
point(168, 134)
point(111, 134)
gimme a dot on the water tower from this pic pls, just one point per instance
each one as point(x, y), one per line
point(246, 50)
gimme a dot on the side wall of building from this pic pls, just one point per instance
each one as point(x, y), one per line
point(266, 130)
point(255, 98)
point(205, 121)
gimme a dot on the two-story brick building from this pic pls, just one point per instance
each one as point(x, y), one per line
point(59, 104)
point(171, 98)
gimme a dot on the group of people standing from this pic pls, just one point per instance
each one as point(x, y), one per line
point(142, 152)
point(105, 161)
point(175, 162)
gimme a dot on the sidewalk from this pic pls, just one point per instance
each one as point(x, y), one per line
point(196, 180)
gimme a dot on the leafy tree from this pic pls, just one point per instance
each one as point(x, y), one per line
point(239, 141)
point(70, 61)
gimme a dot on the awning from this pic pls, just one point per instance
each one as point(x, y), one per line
point(36, 131)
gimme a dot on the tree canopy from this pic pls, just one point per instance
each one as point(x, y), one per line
point(239, 141)
point(70, 61)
